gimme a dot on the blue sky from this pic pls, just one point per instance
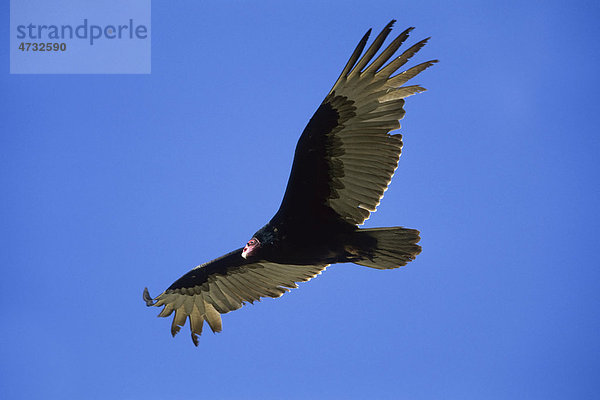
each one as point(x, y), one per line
point(116, 182)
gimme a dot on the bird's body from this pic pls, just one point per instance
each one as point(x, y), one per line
point(343, 163)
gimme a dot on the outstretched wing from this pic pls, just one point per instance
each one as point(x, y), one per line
point(224, 285)
point(346, 157)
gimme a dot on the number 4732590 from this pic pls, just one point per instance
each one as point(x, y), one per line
point(42, 46)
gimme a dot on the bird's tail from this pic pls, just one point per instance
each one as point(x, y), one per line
point(395, 247)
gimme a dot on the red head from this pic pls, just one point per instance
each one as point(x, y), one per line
point(251, 247)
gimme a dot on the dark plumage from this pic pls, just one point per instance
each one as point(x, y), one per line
point(343, 163)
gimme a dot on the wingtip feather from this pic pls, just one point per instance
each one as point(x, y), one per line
point(147, 298)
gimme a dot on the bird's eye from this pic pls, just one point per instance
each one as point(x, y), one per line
point(252, 242)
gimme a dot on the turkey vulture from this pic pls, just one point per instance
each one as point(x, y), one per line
point(343, 163)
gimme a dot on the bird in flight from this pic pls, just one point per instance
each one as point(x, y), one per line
point(344, 161)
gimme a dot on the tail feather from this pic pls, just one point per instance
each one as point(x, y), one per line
point(395, 247)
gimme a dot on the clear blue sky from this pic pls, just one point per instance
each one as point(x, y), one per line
point(115, 182)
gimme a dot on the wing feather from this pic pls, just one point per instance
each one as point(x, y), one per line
point(388, 52)
point(373, 48)
point(196, 322)
point(393, 66)
point(224, 285)
point(233, 297)
point(349, 135)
